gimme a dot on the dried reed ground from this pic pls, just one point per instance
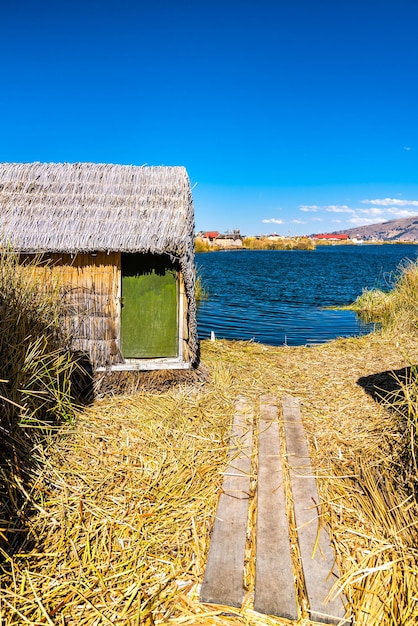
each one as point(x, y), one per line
point(124, 502)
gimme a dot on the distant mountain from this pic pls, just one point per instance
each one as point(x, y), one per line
point(405, 229)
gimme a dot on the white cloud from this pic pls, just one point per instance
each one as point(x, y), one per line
point(407, 148)
point(391, 202)
point(309, 208)
point(272, 221)
point(372, 212)
point(379, 210)
point(362, 221)
point(330, 208)
point(338, 208)
point(401, 213)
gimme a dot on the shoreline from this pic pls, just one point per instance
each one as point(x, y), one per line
point(295, 248)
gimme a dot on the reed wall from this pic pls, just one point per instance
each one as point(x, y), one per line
point(90, 290)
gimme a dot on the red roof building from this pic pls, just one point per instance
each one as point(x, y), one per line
point(210, 234)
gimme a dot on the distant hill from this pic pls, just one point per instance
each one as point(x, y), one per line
point(405, 229)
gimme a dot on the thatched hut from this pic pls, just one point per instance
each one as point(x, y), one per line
point(122, 239)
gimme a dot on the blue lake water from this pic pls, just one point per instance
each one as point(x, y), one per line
point(279, 297)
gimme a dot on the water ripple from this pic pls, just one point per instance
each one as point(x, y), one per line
point(279, 297)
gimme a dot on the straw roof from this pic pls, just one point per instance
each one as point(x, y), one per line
point(85, 207)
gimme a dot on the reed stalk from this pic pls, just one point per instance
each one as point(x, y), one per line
point(201, 245)
point(397, 312)
point(201, 293)
point(396, 308)
point(36, 372)
point(286, 243)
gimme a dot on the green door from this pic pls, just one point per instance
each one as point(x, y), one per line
point(149, 326)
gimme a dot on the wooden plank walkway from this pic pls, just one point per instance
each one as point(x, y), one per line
point(274, 592)
point(223, 581)
point(318, 561)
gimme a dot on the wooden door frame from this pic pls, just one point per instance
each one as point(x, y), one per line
point(157, 363)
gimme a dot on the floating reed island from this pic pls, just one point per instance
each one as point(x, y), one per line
point(107, 509)
point(115, 519)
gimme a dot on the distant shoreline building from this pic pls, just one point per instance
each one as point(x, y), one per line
point(331, 237)
point(216, 239)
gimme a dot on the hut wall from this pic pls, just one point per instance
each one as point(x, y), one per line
point(90, 287)
point(90, 291)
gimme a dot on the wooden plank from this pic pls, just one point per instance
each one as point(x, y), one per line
point(274, 588)
point(318, 560)
point(223, 582)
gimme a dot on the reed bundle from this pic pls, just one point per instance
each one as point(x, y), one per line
point(396, 308)
point(285, 243)
point(126, 514)
point(36, 384)
point(125, 498)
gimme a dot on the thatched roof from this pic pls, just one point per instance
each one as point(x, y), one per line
point(82, 207)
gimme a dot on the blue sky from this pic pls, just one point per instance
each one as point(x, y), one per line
point(290, 116)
